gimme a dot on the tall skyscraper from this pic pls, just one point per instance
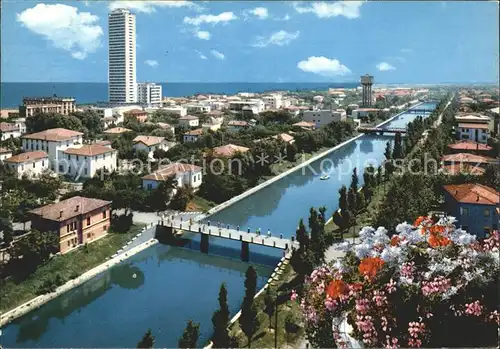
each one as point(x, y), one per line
point(366, 83)
point(122, 86)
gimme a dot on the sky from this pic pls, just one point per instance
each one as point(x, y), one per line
point(253, 41)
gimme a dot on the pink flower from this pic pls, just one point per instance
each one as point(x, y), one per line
point(330, 303)
point(390, 286)
point(439, 284)
point(474, 308)
point(362, 306)
point(293, 297)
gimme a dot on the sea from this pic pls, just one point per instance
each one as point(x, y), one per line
point(12, 93)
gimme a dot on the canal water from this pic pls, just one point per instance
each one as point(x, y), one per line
point(163, 287)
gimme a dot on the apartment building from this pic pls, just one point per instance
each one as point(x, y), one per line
point(324, 117)
point(185, 174)
point(9, 130)
point(5, 154)
point(52, 141)
point(150, 143)
point(86, 161)
point(122, 57)
point(149, 94)
point(137, 114)
point(192, 136)
point(189, 120)
point(477, 132)
point(274, 101)
point(35, 105)
point(76, 221)
point(31, 163)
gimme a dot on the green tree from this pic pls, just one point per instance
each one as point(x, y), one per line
point(92, 123)
point(160, 197)
point(44, 121)
point(343, 205)
point(352, 200)
point(147, 341)
point(249, 321)
point(182, 198)
point(269, 304)
point(190, 336)
point(354, 180)
point(291, 152)
point(220, 321)
point(397, 152)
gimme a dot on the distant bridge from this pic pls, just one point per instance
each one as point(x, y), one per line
point(420, 110)
point(382, 130)
point(175, 226)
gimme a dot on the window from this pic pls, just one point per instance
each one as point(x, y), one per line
point(85, 171)
point(464, 211)
point(486, 212)
point(22, 167)
point(88, 236)
point(43, 163)
point(69, 243)
point(33, 165)
point(150, 186)
point(104, 228)
point(104, 215)
point(67, 228)
point(69, 157)
point(88, 221)
point(77, 158)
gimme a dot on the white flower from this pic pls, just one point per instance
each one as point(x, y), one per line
point(363, 250)
point(391, 254)
point(404, 228)
point(366, 233)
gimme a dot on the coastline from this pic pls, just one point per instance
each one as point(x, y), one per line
point(37, 302)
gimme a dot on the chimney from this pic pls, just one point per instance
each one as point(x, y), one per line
point(77, 208)
point(60, 213)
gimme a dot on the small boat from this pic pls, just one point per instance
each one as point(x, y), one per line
point(324, 177)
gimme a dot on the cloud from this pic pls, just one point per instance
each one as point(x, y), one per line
point(67, 29)
point(384, 66)
point(202, 35)
point(223, 17)
point(406, 50)
point(286, 18)
point(151, 62)
point(218, 55)
point(348, 9)
point(280, 38)
point(259, 12)
point(201, 55)
point(323, 66)
point(149, 6)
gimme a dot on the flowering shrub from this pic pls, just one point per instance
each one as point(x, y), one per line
point(430, 285)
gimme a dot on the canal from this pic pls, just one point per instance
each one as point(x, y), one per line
point(163, 287)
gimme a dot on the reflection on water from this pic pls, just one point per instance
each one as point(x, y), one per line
point(115, 309)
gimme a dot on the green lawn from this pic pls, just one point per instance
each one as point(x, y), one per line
point(68, 266)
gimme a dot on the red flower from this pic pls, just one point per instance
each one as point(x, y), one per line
point(418, 221)
point(336, 288)
point(395, 240)
point(370, 266)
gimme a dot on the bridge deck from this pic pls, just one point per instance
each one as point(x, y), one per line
point(232, 234)
point(381, 129)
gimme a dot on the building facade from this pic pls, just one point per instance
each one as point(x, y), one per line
point(31, 163)
point(5, 154)
point(324, 117)
point(149, 144)
point(189, 120)
point(8, 130)
point(149, 94)
point(476, 132)
point(122, 57)
point(52, 141)
point(475, 206)
point(86, 161)
point(192, 136)
point(35, 105)
point(185, 174)
point(77, 221)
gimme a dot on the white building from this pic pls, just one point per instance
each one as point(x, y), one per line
point(273, 101)
point(185, 174)
point(477, 119)
point(477, 132)
point(149, 94)
point(200, 108)
point(31, 163)
point(150, 143)
point(8, 130)
point(122, 57)
point(192, 136)
point(256, 104)
point(21, 123)
point(189, 120)
point(85, 161)
point(52, 141)
point(324, 117)
point(178, 110)
point(5, 154)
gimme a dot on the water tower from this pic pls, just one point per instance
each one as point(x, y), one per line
point(366, 83)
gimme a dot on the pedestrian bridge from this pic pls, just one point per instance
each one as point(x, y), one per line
point(419, 110)
point(381, 130)
point(176, 227)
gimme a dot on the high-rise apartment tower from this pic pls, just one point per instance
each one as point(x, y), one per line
point(122, 87)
